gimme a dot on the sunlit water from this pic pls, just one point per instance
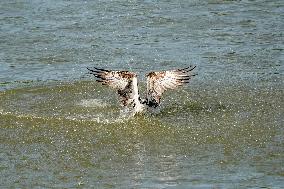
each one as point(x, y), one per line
point(59, 128)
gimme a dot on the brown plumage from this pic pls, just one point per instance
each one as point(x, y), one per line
point(125, 83)
point(159, 82)
point(119, 80)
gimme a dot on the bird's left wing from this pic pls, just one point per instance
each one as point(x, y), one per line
point(122, 81)
point(159, 82)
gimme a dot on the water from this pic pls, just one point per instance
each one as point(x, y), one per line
point(61, 129)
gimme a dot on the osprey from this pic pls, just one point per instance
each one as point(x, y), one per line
point(125, 83)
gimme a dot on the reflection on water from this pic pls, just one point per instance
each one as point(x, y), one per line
point(60, 129)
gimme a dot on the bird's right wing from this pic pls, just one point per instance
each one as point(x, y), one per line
point(159, 82)
point(122, 81)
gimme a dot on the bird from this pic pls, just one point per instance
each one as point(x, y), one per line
point(126, 84)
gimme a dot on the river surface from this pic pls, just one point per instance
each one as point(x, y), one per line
point(61, 129)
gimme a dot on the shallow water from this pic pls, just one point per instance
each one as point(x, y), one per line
point(51, 137)
point(58, 128)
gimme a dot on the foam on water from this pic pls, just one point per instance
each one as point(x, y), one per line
point(93, 103)
point(101, 118)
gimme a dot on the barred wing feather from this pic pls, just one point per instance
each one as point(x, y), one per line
point(119, 80)
point(159, 82)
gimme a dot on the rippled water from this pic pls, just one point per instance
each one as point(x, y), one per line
point(58, 128)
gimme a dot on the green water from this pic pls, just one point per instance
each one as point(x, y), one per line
point(60, 129)
point(66, 136)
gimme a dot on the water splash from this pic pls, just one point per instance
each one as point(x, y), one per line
point(93, 103)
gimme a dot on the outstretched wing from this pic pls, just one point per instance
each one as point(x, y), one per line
point(159, 82)
point(122, 81)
